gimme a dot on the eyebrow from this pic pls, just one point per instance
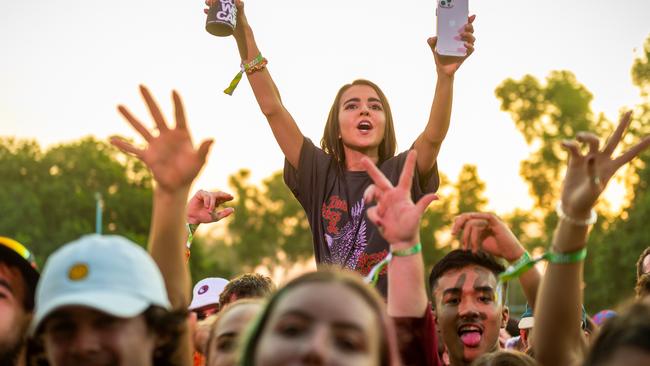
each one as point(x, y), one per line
point(371, 99)
point(456, 290)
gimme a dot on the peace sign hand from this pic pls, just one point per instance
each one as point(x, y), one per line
point(395, 214)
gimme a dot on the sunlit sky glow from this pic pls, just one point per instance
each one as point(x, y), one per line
point(65, 65)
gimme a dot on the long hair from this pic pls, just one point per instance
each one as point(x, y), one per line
point(333, 145)
point(388, 347)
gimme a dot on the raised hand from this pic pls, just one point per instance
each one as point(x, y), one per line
point(448, 65)
point(588, 174)
point(170, 155)
point(486, 231)
point(202, 207)
point(395, 215)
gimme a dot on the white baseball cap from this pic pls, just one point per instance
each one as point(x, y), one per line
point(206, 292)
point(108, 273)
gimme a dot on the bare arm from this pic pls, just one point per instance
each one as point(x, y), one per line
point(398, 220)
point(284, 127)
point(430, 140)
point(175, 163)
point(560, 297)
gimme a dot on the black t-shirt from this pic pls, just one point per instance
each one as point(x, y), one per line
point(342, 234)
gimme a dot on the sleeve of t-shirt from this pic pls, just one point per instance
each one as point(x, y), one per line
point(417, 339)
point(305, 181)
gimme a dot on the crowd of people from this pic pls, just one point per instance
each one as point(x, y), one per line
point(103, 300)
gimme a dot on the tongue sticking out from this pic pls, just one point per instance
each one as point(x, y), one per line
point(471, 339)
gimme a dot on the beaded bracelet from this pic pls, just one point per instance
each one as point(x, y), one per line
point(525, 262)
point(563, 216)
point(373, 276)
point(256, 64)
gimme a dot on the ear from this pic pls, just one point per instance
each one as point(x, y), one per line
point(505, 315)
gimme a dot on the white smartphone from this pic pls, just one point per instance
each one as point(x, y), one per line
point(451, 16)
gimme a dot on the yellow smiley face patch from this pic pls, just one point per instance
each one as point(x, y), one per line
point(78, 272)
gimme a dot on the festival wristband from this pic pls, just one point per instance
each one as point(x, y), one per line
point(566, 258)
point(256, 64)
point(373, 276)
point(526, 262)
point(191, 228)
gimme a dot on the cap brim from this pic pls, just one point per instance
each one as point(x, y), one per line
point(527, 323)
point(116, 304)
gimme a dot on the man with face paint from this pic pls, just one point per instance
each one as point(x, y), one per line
point(468, 302)
point(464, 282)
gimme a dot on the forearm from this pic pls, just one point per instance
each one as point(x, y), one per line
point(284, 128)
point(407, 295)
point(429, 142)
point(265, 90)
point(166, 244)
point(559, 302)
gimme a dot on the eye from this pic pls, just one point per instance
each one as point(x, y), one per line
point(348, 341)
point(486, 299)
point(226, 344)
point(377, 107)
point(291, 328)
point(106, 322)
point(60, 329)
point(452, 301)
point(350, 106)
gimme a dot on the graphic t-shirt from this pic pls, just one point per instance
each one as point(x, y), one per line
point(342, 234)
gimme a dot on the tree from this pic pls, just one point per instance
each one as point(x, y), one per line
point(49, 195)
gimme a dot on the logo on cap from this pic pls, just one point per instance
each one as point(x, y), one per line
point(203, 289)
point(78, 272)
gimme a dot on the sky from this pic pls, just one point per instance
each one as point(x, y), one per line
point(66, 65)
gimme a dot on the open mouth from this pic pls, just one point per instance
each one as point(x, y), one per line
point(364, 126)
point(470, 335)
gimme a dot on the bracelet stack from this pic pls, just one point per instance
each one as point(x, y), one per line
point(256, 64)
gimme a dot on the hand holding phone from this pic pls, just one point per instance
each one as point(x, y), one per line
point(451, 19)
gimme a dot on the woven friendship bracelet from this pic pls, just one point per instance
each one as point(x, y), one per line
point(373, 276)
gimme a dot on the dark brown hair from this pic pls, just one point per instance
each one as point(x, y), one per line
point(333, 145)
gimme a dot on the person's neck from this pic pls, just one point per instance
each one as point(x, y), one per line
point(353, 158)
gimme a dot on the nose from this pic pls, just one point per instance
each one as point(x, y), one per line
point(468, 310)
point(316, 347)
point(364, 110)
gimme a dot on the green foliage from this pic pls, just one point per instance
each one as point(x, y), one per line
point(547, 113)
point(48, 196)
